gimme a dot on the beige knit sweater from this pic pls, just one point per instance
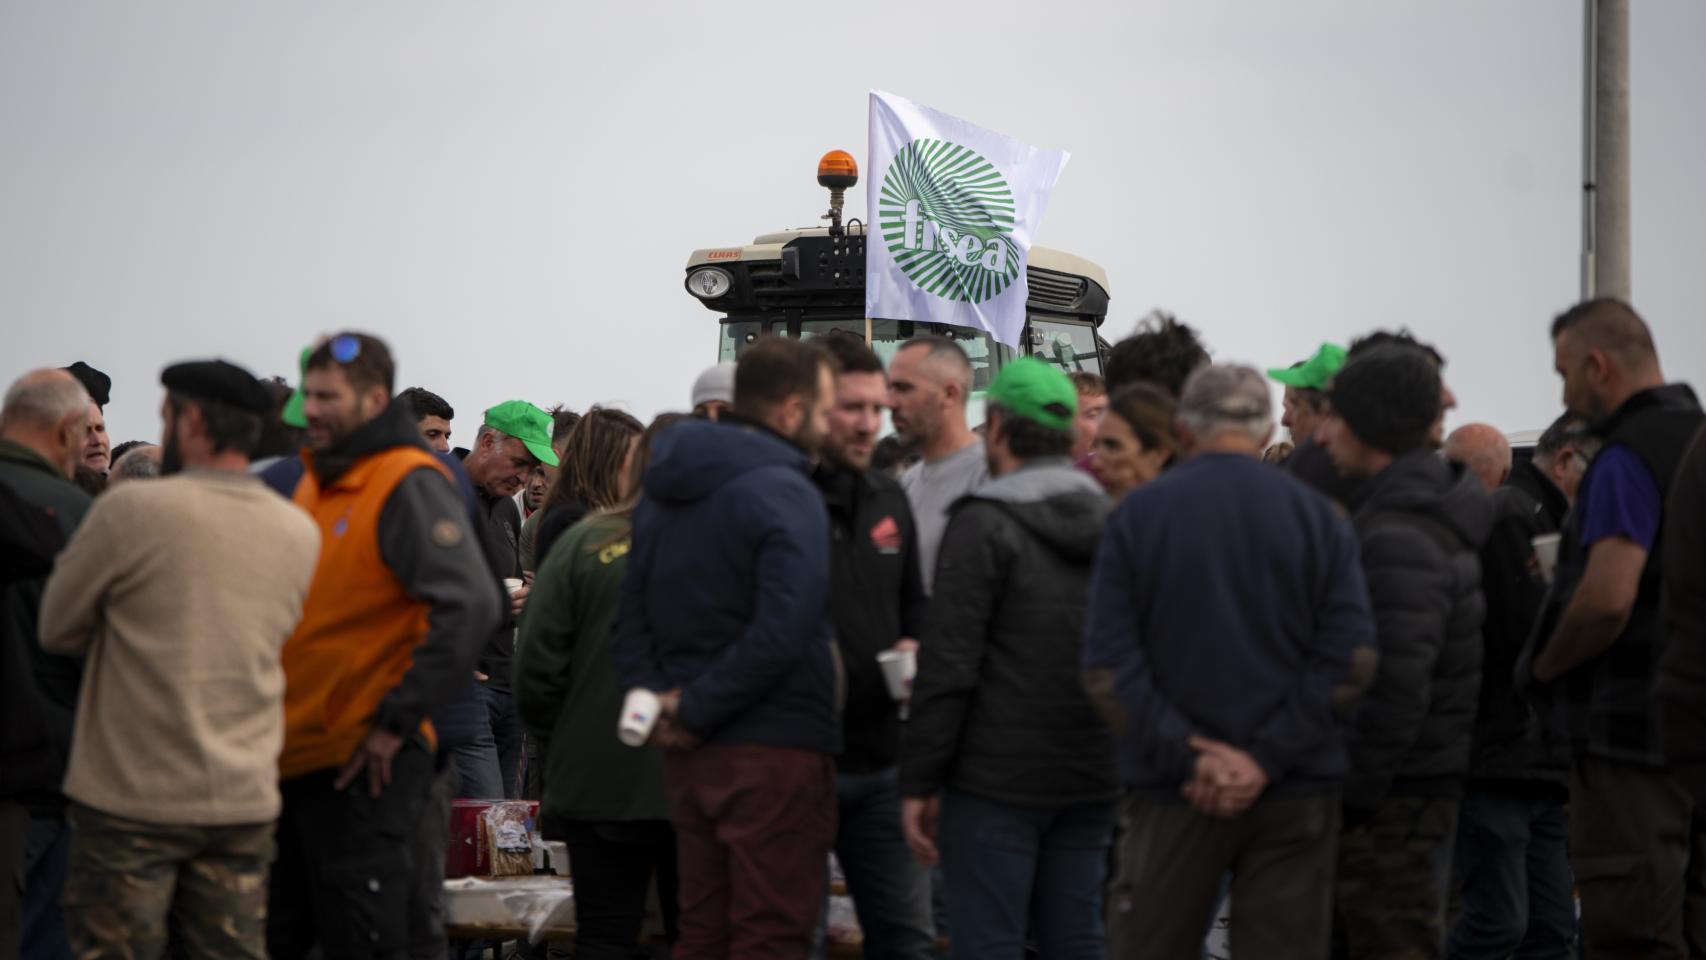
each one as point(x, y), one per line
point(181, 592)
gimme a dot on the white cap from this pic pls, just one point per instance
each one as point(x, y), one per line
point(717, 383)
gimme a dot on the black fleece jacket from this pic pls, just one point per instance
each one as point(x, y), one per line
point(876, 597)
point(38, 690)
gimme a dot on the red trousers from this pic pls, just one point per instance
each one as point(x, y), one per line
point(753, 828)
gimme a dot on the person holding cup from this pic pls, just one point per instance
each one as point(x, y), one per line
point(724, 614)
point(1511, 857)
point(876, 600)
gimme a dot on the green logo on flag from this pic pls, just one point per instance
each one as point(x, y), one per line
point(947, 215)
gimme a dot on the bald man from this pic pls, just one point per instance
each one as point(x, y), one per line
point(1512, 861)
point(44, 426)
point(1484, 450)
point(930, 384)
point(1604, 636)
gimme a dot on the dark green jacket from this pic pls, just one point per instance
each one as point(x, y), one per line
point(38, 690)
point(565, 682)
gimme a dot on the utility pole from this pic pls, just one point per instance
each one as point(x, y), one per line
point(1605, 147)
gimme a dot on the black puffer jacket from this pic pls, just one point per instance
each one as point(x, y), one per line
point(999, 708)
point(1422, 524)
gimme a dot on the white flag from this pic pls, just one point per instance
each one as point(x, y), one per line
point(954, 208)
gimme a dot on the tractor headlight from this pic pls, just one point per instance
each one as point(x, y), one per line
point(709, 283)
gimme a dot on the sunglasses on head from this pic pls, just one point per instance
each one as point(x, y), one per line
point(346, 348)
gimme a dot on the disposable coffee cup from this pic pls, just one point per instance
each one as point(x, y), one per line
point(512, 585)
point(639, 715)
point(899, 668)
point(1546, 552)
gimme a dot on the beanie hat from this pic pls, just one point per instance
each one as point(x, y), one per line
point(717, 383)
point(1389, 397)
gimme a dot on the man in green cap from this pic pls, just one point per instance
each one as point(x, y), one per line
point(1305, 411)
point(1003, 740)
point(1306, 383)
point(514, 438)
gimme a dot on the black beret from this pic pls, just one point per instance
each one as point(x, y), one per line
point(219, 381)
point(98, 384)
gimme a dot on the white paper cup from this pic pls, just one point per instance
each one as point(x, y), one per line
point(512, 585)
point(639, 715)
point(899, 669)
point(1546, 552)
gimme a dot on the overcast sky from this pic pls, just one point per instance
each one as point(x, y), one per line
point(508, 192)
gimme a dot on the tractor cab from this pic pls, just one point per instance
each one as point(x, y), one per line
point(808, 281)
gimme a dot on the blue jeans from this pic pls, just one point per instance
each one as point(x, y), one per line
point(1007, 864)
point(890, 890)
point(488, 764)
point(1514, 869)
point(47, 855)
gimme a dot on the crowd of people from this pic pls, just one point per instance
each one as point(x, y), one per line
point(1379, 690)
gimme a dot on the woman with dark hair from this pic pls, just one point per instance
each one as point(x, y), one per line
point(604, 799)
point(1136, 439)
point(589, 475)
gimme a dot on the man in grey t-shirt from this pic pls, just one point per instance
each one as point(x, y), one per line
point(930, 381)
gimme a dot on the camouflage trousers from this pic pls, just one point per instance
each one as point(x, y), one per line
point(127, 878)
point(1394, 881)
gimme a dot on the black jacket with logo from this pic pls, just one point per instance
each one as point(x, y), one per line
point(876, 596)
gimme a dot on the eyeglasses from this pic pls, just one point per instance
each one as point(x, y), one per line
point(346, 348)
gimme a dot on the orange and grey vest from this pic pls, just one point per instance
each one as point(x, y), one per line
point(359, 629)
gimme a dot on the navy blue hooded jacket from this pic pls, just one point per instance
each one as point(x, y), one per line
point(726, 595)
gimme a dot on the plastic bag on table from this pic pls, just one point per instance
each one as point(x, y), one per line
point(539, 908)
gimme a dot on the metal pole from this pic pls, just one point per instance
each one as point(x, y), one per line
point(1611, 247)
point(1590, 171)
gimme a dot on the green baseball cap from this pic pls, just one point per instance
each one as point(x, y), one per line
point(527, 423)
point(1032, 389)
point(1316, 372)
point(293, 415)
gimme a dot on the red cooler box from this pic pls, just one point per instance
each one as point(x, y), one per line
point(469, 852)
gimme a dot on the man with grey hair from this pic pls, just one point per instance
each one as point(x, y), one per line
point(930, 383)
point(141, 462)
point(43, 428)
point(1562, 455)
point(1223, 575)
